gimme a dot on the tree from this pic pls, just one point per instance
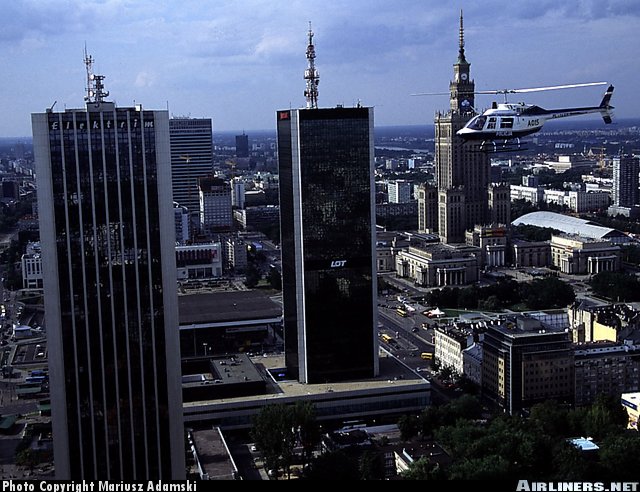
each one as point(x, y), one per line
point(275, 279)
point(334, 465)
point(273, 433)
point(409, 426)
point(616, 286)
point(620, 457)
point(371, 465)
point(252, 276)
point(423, 469)
point(304, 417)
point(550, 292)
point(491, 467)
point(605, 417)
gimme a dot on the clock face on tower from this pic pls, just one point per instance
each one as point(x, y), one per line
point(463, 76)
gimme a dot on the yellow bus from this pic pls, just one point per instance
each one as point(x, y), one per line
point(386, 338)
point(426, 355)
point(401, 312)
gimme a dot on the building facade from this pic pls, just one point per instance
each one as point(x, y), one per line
point(605, 368)
point(191, 159)
point(579, 255)
point(399, 191)
point(439, 265)
point(449, 343)
point(242, 145)
point(427, 208)
point(328, 243)
point(199, 261)
point(108, 239)
point(492, 241)
point(182, 223)
point(626, 194)
point(462, 169)
point(531, 253)
point(215, 205)
point(524, 362)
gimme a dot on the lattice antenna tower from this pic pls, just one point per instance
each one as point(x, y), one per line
point(95, 83)
point(311, 75)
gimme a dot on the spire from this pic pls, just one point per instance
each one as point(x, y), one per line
point(95, 85)
point(461, 57)
point(311, 75)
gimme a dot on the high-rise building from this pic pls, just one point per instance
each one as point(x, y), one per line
point(328, 242)
point(182, 223)
point(237, 193)
point(399, 191)
point(108, 246)
point(191, 159)
point(427, 208)
point(215, 205)
point(526, 362)
point(625, 181)
point(242, 145)
point(462, 170)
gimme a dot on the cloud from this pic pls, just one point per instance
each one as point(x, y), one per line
point(144, 80)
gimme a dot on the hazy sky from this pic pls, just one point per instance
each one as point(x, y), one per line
point(239, 61)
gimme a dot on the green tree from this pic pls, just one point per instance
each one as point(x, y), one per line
point(616, 286)
point(335, 465)
point(252, 276)
point(409, 426)
point(273, 433)
point(309, 435)
point(371, 465)
point(275, 279)
point(620, 457)
point(423, 469)
point(550, 292)
point(490, 467)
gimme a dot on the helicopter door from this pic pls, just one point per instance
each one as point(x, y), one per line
point(506, 123)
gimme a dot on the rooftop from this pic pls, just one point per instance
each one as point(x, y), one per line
point(213, 455)
point(212, 307)
point(392, 373)
point(569, 224)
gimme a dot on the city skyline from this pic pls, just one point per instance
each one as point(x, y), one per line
point(236, 62)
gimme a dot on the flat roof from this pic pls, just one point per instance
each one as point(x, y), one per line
point(213, 455)
point(225, 369)
point(212, 307)
point(392, 373)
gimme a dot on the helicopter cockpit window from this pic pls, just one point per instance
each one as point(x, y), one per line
point(492, 124)
point(506, 123)
point(477, 123)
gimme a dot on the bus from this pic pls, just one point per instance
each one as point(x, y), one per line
point(401, 312)
point(426, 356)
point(386, 338)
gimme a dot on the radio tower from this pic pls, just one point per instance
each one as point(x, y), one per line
point(95, 84)
point(311, 75)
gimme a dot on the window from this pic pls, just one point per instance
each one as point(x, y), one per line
point(506, 122)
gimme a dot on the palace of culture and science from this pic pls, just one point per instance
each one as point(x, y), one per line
point(463, 196)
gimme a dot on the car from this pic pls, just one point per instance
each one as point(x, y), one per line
point(253, 448)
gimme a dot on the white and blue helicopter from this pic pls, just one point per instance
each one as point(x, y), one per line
point(500, 128)
point(511, 121)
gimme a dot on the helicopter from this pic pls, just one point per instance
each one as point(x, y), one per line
point(501, 127)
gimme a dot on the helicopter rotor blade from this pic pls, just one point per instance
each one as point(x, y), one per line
point(432, 94)
point(540, 89)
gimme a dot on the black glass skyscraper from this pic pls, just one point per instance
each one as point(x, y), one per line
point(107, 234)
point(328, 247)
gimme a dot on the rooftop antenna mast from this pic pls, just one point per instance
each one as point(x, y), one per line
point(311, 75)
point(95, 83)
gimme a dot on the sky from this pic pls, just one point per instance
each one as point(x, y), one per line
point(237, 62)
